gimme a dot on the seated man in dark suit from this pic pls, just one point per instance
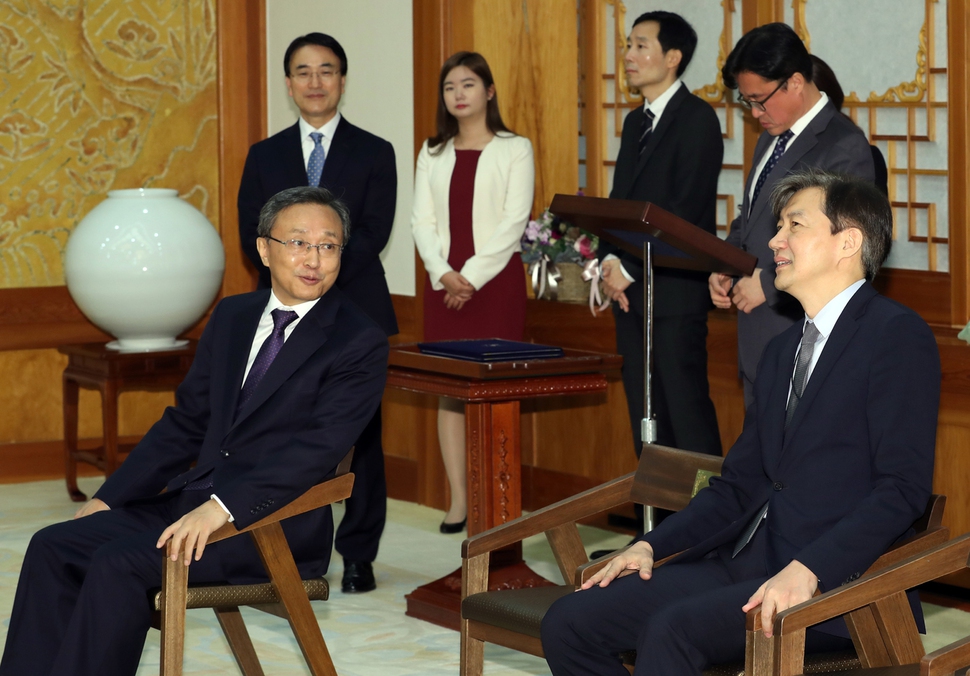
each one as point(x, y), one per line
point(324, 149)
point(283, 382)
point(834, 464)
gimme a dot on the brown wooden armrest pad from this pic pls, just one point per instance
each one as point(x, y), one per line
point(324, 493)
point(587, 503)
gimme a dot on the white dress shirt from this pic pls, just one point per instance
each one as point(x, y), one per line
point(825, 321)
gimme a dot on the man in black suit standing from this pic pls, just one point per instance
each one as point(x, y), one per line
point(670, 155)
point(835, 462)
point(282, 384)
point(324, 149)
point(772, 71)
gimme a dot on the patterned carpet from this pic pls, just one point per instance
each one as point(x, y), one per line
point(367, 634)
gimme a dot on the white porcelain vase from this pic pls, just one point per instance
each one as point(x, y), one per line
point(143, 266)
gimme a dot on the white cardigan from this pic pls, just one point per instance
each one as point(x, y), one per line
point(504, 187)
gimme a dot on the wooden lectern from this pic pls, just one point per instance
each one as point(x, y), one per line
point(658, 237)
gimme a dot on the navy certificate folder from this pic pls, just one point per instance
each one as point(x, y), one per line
point(490, 349)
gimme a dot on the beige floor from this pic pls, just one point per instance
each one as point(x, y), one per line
point(367, 634)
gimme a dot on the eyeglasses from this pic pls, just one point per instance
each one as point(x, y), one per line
point(760, 105)
point(296, 247)
point(304, 76)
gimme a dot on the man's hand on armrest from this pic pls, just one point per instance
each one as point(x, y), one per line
point(638, 557)
point(90, 507)
point(794, 584)
point(193, 530)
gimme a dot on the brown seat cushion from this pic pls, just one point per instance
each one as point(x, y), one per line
point(221, 596)
point(518, 610)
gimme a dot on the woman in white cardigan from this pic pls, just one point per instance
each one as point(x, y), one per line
point(473, 192)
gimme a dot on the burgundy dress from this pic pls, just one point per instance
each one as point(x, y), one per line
point(497, 310)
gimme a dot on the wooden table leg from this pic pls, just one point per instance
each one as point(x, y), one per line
point(70, 438)
point(109, 423)
point(494, 453)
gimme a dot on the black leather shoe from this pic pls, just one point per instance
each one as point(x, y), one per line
point(358, 577)
point(450, 528)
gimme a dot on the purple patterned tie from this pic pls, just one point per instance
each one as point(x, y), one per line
point(776, 154)
point(267, 353)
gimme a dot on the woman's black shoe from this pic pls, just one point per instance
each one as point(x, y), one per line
point(450, 528)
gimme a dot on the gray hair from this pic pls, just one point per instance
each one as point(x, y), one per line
point(848, 202)
point(304, 194)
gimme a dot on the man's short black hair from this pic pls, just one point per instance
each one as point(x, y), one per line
point(319, 39)
point(848, 202)
point(301, 194)
point(674, 33)
point(773, 51)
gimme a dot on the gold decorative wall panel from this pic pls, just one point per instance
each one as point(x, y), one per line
point(99, 95)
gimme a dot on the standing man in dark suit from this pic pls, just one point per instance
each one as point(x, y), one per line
point(835, 462)
point(324, 149)
point(282, 384)
point(772, 71)
point(670, 154)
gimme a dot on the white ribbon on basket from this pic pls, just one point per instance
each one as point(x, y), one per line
point(544, 272)
point(591, 274)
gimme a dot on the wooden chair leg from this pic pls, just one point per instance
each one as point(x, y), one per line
point(175, 582)
point(241, 645)
point(283, 573)
point(472, 653)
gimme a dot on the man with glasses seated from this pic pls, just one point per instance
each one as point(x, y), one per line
point(772, 72)
point(282, 384)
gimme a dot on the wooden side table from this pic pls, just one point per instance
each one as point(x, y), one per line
point(492, 394)
point(95, 367)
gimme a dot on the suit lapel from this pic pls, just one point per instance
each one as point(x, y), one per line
point(778, 399)
point(667, 119)
point(835, 345)
point(341, 148)
point(243, 326)
point(761, 147)
point(800, 147)
point(308, 336)
point(291, 155)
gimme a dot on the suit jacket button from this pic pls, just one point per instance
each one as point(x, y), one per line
point(225, 453)
point(778, 486)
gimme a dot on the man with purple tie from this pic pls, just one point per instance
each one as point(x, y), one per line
point(283, 382)
point(324, 149)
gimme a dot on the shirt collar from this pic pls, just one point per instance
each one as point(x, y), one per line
point(827, 317)
point(658, 104)
point(327, 130)
point(801, 123)
point(300, 309)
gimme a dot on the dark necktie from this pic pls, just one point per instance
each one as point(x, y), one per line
point(267, 353)
point(776, 154)
point(317, 157)
point(810, 336)
point(646, 129)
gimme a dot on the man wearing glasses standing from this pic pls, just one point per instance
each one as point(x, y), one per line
point(324, 149)
point(772, 72)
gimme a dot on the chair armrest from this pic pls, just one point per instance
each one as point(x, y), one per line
point(324, 493)
point(947, 659)
point(587, 503)
point(906, 574)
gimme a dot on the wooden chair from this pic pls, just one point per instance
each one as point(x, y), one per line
point(665, 478)
point(286, 595)
point(882, 594)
